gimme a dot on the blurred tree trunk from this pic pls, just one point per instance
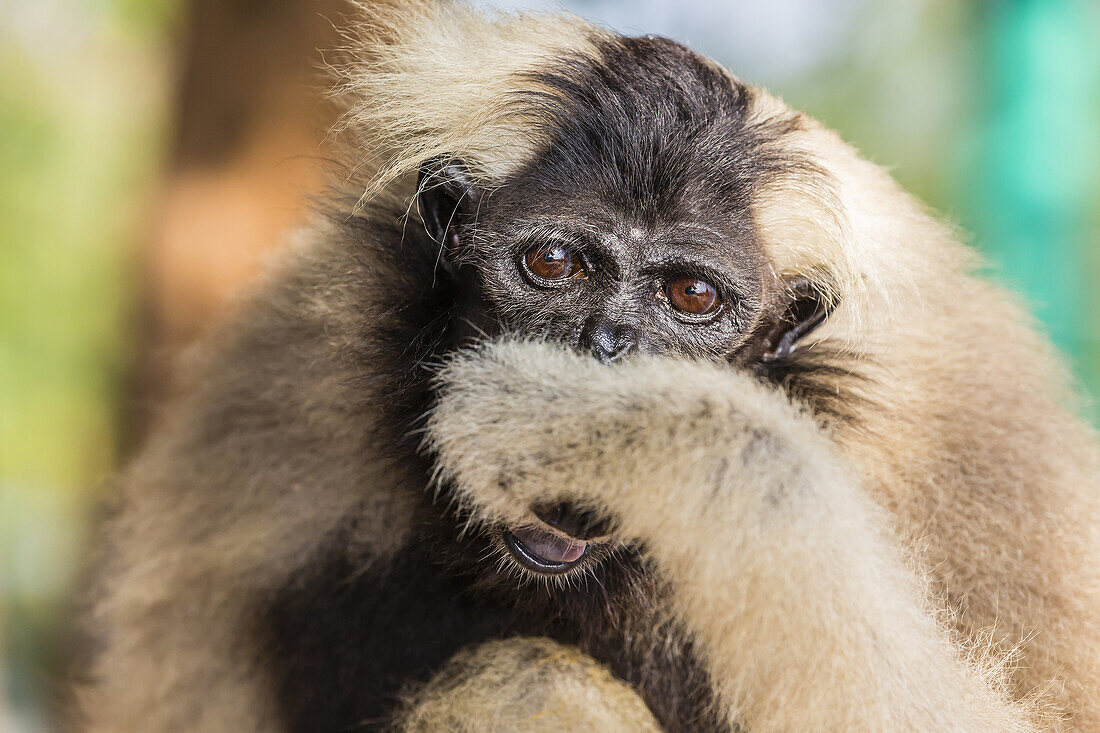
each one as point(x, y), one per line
point(248, 123)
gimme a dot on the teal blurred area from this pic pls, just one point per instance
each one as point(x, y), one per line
point(1034, 173)
point(988, 111)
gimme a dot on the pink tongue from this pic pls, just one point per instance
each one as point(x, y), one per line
point(549, 546)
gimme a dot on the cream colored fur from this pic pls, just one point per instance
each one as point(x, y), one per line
point(785, 570)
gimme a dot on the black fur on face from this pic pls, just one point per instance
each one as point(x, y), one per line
point(647, 178)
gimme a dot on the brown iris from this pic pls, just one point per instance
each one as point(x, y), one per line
point(692, 295)
point(553, 262)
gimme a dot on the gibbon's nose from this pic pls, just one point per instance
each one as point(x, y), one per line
point(610, 343)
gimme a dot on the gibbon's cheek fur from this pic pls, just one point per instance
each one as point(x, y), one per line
point(606, 392)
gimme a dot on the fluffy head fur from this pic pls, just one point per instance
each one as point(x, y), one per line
point(426, 80)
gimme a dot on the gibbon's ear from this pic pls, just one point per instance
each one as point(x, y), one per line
point(447, 202)
point(805, 308)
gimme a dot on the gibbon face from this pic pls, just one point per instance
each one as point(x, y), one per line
point(630, 234)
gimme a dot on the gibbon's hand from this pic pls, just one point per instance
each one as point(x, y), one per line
point(524, 685)
point(784, 572)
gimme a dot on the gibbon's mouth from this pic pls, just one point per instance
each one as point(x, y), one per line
point(544, 552)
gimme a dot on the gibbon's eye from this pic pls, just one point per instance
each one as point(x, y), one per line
point(692, 296)
point(552, 263)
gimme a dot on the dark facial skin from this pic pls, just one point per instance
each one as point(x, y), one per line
point(575, 267)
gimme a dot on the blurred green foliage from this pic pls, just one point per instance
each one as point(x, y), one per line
point(83, 94)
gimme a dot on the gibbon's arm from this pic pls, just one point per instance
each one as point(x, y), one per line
point(802, 607)
point(524, 685)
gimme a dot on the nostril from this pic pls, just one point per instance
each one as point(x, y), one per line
point(601, 341)
point(581, 524)
point(605, 357)
point(611, 344)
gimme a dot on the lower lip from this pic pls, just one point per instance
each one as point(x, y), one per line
point(533, 562)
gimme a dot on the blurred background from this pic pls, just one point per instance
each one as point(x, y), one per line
point(153, 151)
